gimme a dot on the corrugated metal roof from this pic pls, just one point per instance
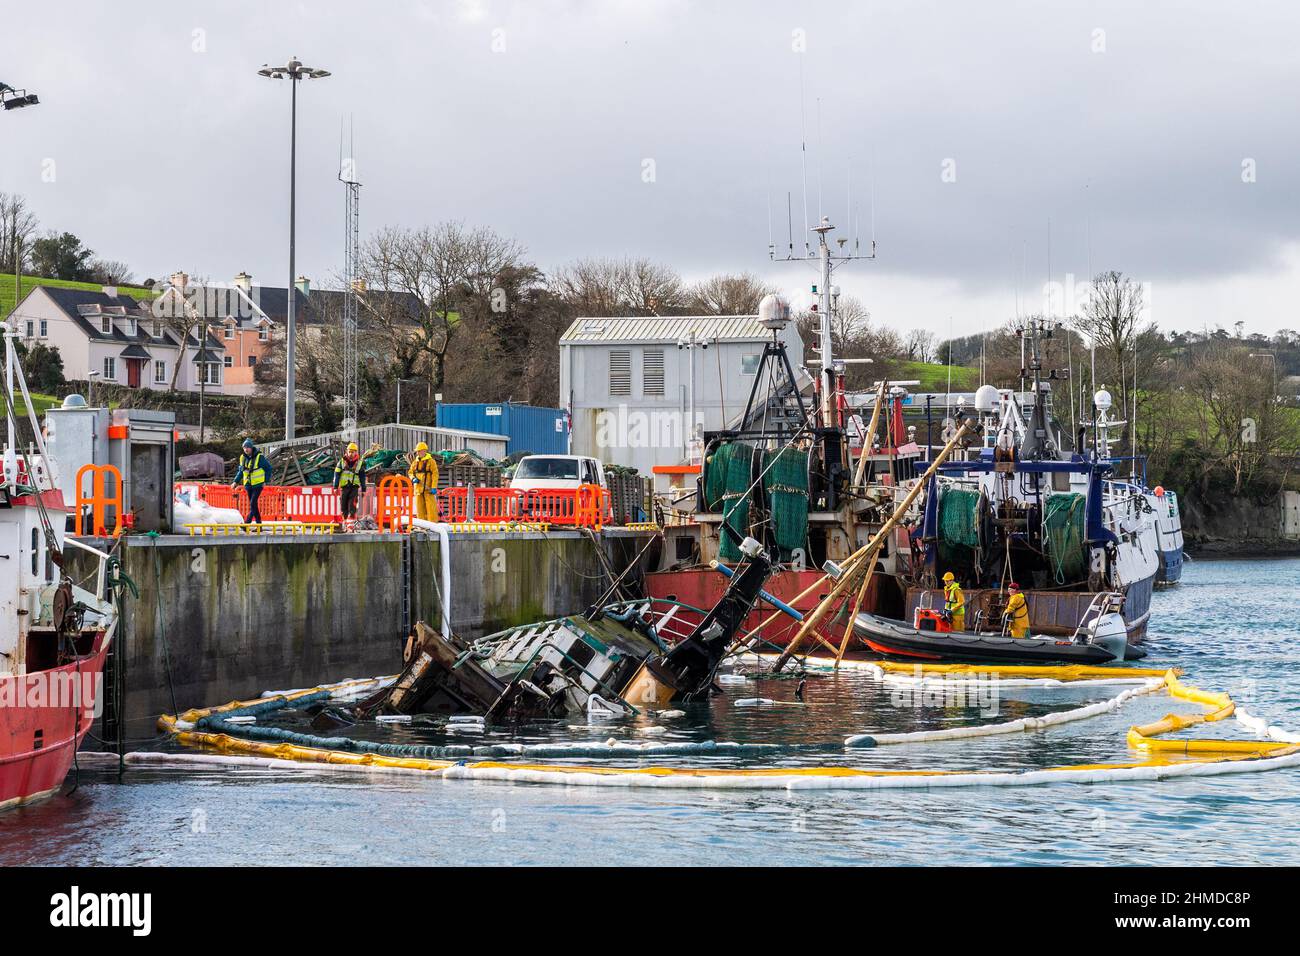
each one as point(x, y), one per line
point(667, 328)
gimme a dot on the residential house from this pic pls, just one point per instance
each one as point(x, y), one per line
point(120, 340)
point(232, 316)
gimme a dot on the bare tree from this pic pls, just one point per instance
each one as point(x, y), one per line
point(1115, 324)
point(440, 266)
point(920, 346)
point(17, 226)
point(597, 286)
point(727, 294)
point(1237, 412)
point(111, 272)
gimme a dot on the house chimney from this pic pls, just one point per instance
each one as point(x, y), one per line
point(244, 281)
point(109, 290)
point(303, 284)
point(180, 280)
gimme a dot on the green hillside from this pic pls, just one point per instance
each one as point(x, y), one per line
point(934, 377)
point(7, 289)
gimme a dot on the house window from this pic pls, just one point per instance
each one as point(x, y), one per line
point(652, 371)
point(230, 331)
point(131, 328)
point(212, 373)
point(264, 334)
point(159, 372)
point(252, 360)
point(106, 324)
point(45, 329)
point(110, 368)
point(31, 328)
point(749, 364)
point(228, 361)
point(620, 372)
point(157, 328)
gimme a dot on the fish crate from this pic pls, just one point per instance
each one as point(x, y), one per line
point(463, 475)
point(630, 497)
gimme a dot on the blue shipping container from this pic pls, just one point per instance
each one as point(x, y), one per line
point(528, 428)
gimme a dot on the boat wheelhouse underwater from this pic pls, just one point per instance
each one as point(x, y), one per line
point(609, 662)
point(54, 635)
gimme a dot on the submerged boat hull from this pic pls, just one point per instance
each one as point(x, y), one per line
point(701, 588)
point(896, 639)
point(41, 728)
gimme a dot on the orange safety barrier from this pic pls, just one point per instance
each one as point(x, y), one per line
point(99, 499)
point(312, 505)
point(393, 501)
point(587, 506)
point(487, 505)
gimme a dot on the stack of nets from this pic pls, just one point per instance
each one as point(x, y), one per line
point(732, 468)
point(959, 535)
point(1063, 536)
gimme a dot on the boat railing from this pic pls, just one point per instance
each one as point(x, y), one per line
point(101, 569)
point(1101, 603)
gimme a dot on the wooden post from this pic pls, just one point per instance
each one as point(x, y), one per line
point(870, 440)
point(850, 576)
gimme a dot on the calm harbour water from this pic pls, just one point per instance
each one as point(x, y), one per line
point(1231, 625)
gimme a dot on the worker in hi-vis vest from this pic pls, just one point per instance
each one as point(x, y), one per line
point(953, 602)
point(251, 473)
point(424, 477)
point(350, 480)
point(1017, 613)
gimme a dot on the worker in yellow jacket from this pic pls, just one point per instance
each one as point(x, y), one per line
point(1017, 613)
point(424, 477)
point(954, 602)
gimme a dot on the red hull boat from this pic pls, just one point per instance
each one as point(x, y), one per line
point(44, 716)
point(54, 635)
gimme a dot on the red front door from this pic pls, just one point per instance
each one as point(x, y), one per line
point(133, 367)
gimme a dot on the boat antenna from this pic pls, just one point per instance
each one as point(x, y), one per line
point(803, 155)
point(771, 244)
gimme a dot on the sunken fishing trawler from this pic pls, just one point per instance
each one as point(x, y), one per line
point(609, 662)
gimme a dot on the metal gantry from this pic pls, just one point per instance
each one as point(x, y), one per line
point(352, 291)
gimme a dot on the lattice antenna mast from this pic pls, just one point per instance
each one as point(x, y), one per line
point(353, 280)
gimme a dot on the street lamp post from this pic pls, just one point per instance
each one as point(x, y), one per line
point(294, 71)
point(1271, 356)
point(399, 396)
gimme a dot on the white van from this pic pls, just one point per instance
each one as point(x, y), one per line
point(557, 471)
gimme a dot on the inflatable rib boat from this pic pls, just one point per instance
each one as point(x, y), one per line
point(898, 639)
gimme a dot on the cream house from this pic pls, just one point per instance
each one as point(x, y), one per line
point(122, 341)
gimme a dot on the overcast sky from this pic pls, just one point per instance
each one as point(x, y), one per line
point(1133, 129)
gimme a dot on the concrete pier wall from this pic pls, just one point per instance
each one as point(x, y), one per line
point(225, 618)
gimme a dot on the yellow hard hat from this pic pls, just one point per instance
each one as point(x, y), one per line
point(421, 447)
point(947, 576)
point(352, 446)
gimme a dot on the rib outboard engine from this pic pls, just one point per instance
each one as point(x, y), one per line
point(1108, 630)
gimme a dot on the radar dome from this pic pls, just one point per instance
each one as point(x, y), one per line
point(1102, 400)
point(986, 399)
point(774, 312)
point(74, 401)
